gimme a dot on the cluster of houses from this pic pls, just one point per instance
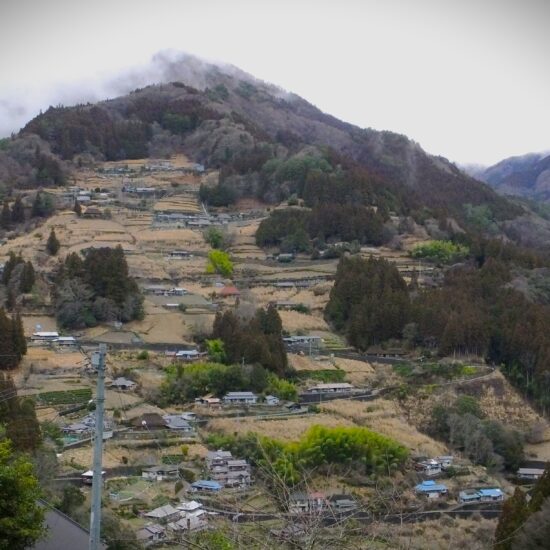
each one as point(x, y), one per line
point(85, 428)
point(433, 490)
point(171, 522)
point(228, 471)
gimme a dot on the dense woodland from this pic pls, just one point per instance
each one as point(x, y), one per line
point(476, 311)
point(256, 340)
point(96, 288)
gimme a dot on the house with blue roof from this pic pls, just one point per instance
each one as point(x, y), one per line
point(206, 486)
point(492, 494)
point(431, 489)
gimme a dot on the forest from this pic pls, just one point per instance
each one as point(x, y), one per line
point(476, 311)
point(96, 288)
point(255, 340)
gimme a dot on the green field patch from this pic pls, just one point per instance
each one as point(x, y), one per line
point(67, 397)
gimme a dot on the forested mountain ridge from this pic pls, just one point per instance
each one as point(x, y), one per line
point(525, 176)
point(224, 118)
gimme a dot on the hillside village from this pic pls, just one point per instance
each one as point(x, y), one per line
point(174, 470)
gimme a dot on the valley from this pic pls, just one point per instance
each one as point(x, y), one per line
point(153, 211)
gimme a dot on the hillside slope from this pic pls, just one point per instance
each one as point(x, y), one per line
point(524, 176)
point(225, 118)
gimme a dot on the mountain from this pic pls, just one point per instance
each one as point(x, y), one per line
point(251, 130)
point(524, 176)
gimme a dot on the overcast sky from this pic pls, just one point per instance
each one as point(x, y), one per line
point(467, 79)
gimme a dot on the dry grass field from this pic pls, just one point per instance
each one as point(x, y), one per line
point(383, 416)
point(286, 430)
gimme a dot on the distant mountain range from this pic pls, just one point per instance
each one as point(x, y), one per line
point(524, 176)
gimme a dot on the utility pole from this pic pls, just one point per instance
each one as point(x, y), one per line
point(97, 480)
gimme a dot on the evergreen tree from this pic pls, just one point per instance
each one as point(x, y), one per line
point(18, 211)
point(36, 210)
point(541, 491)
point(52, 246)
point(77, 208)
point(514, 513)
point(9, 266)
point(10, 299)
point(5, 216)
point(19, 340)
point(9, 358)
point(27, 278)
point(24, 429)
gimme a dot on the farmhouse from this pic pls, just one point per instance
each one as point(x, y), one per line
point(209, 401)
point(271, 400)
point(429, 467)
point(229, 292)
point(446, 461)
point(342, 502)
point(228, 471)
point(66, 341)
point(122, 383)
point(176, 422)
point(92, 212)
point(161, 473)
point(180, 254)
point(149, 421)
point(88, 477)
point(530, 473)
point(44, 336)
point(431, 489)
point(303, 503)
point(339, 387)
point(163, 514)
point(150, 534)
point(283, 305)
point(469, 495)
point(157, 290)
point(206, 486)
point(244, 397)
point(302, 340)
point(217, 458)
point(188, 355)
point(493, 494)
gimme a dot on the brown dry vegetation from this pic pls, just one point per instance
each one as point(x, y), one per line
point(285, 430)
point(383, 416)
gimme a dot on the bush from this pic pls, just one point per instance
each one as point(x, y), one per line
point(143, 355)
point(444, 252)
